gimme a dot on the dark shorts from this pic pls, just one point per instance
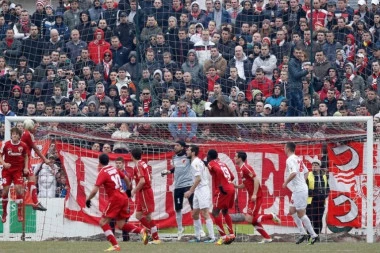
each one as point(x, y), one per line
point(178, 198)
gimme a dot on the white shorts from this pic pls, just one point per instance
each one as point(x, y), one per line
point(202, 198)
point(299, 200)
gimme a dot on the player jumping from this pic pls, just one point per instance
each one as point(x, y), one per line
point(117, 208)
point(28, 139)
point(14, 159)
point(144, 194)
point(224, 195)
point(296, 183)
point(252, 184)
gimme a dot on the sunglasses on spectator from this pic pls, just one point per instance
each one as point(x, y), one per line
point(146, 93)
point(107, 55)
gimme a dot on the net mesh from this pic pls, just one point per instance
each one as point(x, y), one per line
point(335, 145)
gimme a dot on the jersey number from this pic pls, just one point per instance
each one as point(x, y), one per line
point(226, 173)
point(116, 179)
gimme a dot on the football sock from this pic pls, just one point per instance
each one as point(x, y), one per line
point(264, 217)
point(108, 233)
point(145, 222)
point(154, 231)
point(228, 220)
point(130, 228)
point(178, 217)
point(261, 230)
point(197, 228)
point(306, 222)
point(219, 225)
point(5, 202)
point(33, 191)
point(298, 222)
point(210, 228)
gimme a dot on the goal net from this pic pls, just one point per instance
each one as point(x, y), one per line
point(345, 146)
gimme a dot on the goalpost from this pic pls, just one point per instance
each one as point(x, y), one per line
point(346, 143)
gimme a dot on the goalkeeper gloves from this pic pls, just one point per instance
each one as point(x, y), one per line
point(165, 172)
point(88, 203)
point(222, 190)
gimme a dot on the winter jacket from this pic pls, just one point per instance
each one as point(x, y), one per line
point(120, 55)
point(13, 52)
point(295, 74)
point(194, 69)
point(219, 63)
point(267, 63)
point(183, 130)
point(96, 49)
point(72, 19)
point(148, 31)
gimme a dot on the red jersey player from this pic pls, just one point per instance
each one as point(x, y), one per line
point(117, 208)
point(14, 158)
point(144, 194)
point(223, 195)
point(252, 184)
point(128, 172)
point(28, 139)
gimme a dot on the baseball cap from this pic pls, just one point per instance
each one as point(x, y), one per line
point(182, 143)
point(123, 14)
point(268, 106)
point(317, 161)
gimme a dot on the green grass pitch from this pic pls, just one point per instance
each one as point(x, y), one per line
point(184, 247)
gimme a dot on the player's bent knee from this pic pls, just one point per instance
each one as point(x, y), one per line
point(215, 212)
point(225, 211)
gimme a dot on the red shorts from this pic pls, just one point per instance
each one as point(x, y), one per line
point(224, 201)
point(117, 209)
point(254, 207)
point(145, 201)
point(12, 175)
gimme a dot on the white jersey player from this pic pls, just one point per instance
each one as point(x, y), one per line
point(202, 195)
point(295, 181)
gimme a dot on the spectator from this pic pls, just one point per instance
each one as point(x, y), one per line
point(183, 131)
point(294, 90)
point(202, 47)
point(120, 146)
point(262, 83)
point(60, 26)
point(3, 27)
point(75, 46)
point(119, 52)
point(372, 102)
point(85, 28)
point(55, 43)
point(266, 61)
point(242, 63)
point(81, 62)
point(22, 27)
point(95, 11)
point(106, 29)
point(72, 16)
point(5, 111)
point(10, 48)
point(193, 66)
point(216, 60)
point(62, 187)
point(100, 96)
point(110, 13)
point(38, 15)
point(151, 29)
point(98, 46)
point(46, 174)
point(124, 31)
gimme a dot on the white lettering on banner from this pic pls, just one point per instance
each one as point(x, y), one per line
point(352, 214)
point(353, 163)
point(69, 162)
point(269, 183)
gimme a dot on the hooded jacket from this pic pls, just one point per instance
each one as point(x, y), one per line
point(63, 30)
point(96, 48)
point(120, 55)
point(134, 69)
point(85, 30)
point(194, 69)
point(3, 113)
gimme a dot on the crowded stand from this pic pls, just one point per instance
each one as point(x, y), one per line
point(172, 58)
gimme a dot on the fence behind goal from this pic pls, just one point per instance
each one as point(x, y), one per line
point(345, 145)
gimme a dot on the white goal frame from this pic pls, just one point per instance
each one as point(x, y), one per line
point(368, 165)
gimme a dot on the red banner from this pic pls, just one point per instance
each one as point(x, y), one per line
point(268, 160)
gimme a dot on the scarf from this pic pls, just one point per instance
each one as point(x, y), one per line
point(350, 77)
point(100, 96)
point(188, 126)
point(195, 14)
point(25, 26)
point(107, 69)
point(211, 82)
point(123, 101)
point(374, 81)
point(280, 42)
point(307, 42)
point(146, 103)
point(9, 42)
point(83, 95)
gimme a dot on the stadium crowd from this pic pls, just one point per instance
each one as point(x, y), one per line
point(172, 58)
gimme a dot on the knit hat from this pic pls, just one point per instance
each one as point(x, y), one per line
point(41, 2)
point(266, 40)
point(255, 92)
point(317, 161)
point(351, 65)
point(241, 93)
